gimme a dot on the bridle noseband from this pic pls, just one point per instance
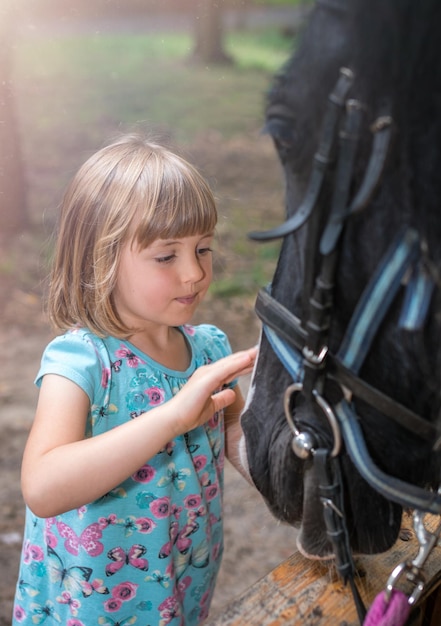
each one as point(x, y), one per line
point(302, 344)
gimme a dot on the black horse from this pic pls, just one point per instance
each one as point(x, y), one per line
point(353, 316)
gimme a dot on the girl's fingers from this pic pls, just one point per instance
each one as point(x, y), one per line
point(222, 399)
point(238, 364)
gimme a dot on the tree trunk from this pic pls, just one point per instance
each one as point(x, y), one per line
point(13, 215)
point(209, 33)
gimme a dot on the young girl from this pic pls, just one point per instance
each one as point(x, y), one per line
point(123, 469)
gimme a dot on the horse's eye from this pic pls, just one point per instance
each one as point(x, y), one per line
point(283, 144)
point(281, 130)
point(283, 133)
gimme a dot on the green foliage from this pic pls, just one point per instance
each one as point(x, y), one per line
point(143, 78)
point(266, 50)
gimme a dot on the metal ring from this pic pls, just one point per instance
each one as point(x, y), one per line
point(416, 578)
point(332, 419)
point(294, 388)
point(325, 407)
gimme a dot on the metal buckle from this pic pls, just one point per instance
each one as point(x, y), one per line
point(413, 569)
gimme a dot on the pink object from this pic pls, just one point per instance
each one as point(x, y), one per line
point(392, 612)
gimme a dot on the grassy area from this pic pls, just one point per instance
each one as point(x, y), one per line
point(74, 92)
point(149, 77)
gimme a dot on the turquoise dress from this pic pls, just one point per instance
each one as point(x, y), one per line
point(148, 552)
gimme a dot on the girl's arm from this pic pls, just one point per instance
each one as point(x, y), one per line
point(62, 470)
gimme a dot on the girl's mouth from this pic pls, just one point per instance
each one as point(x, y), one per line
point(187, 299)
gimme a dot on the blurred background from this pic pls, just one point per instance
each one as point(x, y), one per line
point(73, 75)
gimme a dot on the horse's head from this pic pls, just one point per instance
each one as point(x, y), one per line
point(356, 340)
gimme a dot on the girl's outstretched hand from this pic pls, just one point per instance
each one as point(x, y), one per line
point(204, 395)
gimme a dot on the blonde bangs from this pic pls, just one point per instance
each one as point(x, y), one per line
point(182, 206)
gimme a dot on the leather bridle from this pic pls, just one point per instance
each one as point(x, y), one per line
point(301, 344)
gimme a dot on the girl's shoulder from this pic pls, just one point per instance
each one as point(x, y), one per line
point(77, 344)
point(79, 355)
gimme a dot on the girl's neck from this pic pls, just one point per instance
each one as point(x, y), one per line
point(169, 348)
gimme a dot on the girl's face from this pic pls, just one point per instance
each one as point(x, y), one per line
point(163, 284)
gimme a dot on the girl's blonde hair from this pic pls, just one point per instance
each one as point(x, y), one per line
point(130, 191)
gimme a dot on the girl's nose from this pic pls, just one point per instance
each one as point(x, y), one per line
point(193, 270)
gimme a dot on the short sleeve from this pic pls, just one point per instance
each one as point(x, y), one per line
point(80, 357)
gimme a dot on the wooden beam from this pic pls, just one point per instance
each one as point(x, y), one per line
point(309, 593)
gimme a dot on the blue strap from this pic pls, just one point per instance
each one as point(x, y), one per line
point(417, 299)
point(377, 298)
point(290, 358)
point(391, 488)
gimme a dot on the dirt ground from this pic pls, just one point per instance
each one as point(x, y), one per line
point(255, 542)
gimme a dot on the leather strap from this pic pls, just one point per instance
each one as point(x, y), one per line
point(287, 327)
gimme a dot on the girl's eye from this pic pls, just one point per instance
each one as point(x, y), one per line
point(165, 259)
point(203, 251)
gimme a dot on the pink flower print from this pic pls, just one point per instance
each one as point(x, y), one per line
point(183, 585)
point(189, 329)
point(213, 421)
point(112, 605)
point(211, 491)
point(74, 622)
point(145, 525)
point(131, 358)
point(169, 447)
point(160, 507)
point(32, 553)
point(124, 591)
point(216, 551)
point(144, 474)
point(105, 377)
point(193, 501)
point(213, 519)
point(73, 604)
point(199, 461)
point(156, 395)
point(49, 537)
point(205, 604)
point(19, 613)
